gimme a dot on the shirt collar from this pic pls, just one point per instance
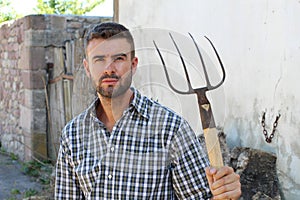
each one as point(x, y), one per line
point(140, 103)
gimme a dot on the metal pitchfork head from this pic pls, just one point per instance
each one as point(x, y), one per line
point(207, 119)
point(190, 89)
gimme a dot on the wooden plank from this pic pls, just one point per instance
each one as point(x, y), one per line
point(56, 116)
point(69, 57)
point(67, 84)
point(83, 92)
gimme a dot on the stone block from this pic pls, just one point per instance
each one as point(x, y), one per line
point(45, 38)
point(27, 145)
point(56, 38)
point(35, 22)
point(33, 79)
point(39, 145)
point(57, 22)
point(35, 145)
point(33, 119)
point(258, 173)
point(74, 25)
point(32, 58)
point(35, 38)
point(34, 99)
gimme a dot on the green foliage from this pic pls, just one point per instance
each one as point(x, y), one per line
point(6, 11)
point(30, 192)
point(2, 150)
point(75, 7)
point(14, 156)
point(31, 168)
point(38, 170)
point(15, 191)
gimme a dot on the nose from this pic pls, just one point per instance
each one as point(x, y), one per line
point(110, 66)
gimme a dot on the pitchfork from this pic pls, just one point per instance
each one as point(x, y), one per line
point(207, 119)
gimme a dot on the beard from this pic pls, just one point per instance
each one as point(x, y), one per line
point(119, 89)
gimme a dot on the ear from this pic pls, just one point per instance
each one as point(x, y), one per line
point(86, 67)
point(134, 64)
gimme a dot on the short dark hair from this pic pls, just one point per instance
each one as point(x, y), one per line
point(110, 30)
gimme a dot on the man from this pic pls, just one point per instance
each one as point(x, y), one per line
point(126, 146)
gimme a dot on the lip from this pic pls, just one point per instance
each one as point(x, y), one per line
point(109, 81)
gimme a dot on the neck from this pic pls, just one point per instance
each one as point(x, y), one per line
point(110, 110)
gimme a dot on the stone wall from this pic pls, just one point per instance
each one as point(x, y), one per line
point(26, 53)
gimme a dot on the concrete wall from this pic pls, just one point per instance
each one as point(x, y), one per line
point(259, 44)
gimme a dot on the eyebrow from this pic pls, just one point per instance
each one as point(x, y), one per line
point(119, 54)
point(113, 56)
point(98, 57)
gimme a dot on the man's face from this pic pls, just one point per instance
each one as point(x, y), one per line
point(110, 66)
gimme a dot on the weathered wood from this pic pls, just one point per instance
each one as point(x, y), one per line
point(83, 92)
point(56, 110)
point(67, 84)
point(69, 57)
point(70, 90)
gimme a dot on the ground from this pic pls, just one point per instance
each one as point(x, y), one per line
point(31, 180)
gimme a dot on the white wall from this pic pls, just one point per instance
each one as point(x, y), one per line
point(259, 43)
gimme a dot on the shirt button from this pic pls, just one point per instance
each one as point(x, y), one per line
point(112, 149)
point(109, 176)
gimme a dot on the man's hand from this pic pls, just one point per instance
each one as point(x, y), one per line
point(223, 183)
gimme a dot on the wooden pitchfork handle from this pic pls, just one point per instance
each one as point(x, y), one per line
point(209, 129)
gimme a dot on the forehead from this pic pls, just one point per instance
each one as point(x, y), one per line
point(108, 46)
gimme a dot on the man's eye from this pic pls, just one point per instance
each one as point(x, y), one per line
point(99, 60)
point(119, 58)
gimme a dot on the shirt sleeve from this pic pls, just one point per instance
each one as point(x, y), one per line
point(189, 161)
point(66, 183)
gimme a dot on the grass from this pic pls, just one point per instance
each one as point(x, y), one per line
point(16, 192)
point(42, 172)
point(30, 193)
point(39, 170)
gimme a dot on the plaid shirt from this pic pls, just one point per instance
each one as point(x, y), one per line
point(151, 153)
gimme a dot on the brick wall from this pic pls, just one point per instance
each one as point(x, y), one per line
point(25, 54)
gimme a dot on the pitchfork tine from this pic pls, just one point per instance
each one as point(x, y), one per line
point(209, 86)
point(220, 61)
point(190, 89)
point(202, 62)
point(166, 71)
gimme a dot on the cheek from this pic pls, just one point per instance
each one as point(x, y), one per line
point(123, 68)
point(95, 70)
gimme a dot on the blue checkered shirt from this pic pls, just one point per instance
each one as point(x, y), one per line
point(151, 153)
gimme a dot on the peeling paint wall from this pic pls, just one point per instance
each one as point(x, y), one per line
point(259, 44)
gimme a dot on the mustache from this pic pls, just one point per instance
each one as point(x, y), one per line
point(109, 76)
